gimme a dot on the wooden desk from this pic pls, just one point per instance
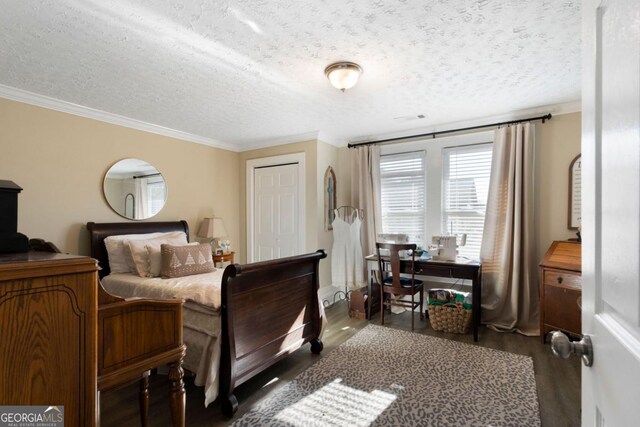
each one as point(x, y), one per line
point(471, 270)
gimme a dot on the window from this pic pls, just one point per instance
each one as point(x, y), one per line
point(155, 196)
point(402, 188)
point(465, 182)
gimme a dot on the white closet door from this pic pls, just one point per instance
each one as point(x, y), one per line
point(276, 216)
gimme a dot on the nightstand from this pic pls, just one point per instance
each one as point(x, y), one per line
point(223, 258)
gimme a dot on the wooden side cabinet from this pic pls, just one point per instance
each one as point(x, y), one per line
point(223, 258)
point(48, 330)
point(561, 288)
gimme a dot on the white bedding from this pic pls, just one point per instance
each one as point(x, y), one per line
point(201, 313)
point(203, 289)
point(201, 321)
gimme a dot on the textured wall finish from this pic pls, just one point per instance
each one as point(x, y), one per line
point(246, 71)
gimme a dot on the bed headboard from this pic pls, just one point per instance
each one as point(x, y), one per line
point(99, 231)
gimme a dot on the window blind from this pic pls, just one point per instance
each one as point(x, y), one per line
point(466, 172)
point(155, 197)
point(402, 187)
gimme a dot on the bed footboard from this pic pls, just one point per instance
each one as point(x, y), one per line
point(269, 309)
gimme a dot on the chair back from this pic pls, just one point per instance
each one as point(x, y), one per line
point(393, 238)
point(394, 260)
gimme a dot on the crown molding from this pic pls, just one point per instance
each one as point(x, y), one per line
point(326, 138)
point(291, 139)
point(43, 101)
point(553, 109)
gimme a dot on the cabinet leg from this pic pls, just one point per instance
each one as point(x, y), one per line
point(177, 394)
point(144, 399)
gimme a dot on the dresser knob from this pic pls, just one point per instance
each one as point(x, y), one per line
point(559, 279)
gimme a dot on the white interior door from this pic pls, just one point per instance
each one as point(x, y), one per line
point(611, 211)
point(276, 226)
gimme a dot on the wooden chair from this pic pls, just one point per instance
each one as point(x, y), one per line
point(136, 335)
point(396, 286)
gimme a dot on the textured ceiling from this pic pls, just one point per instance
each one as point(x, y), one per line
point(245, 72)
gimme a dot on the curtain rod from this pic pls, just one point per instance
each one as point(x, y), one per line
point(146, 176)
point(442, 132)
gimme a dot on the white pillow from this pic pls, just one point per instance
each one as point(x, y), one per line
point(155, 259)
point(140, 255)
point(118, 254)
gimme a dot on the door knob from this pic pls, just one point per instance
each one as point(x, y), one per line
point(562, 347)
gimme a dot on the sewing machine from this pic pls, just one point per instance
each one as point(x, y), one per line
point(445, 248)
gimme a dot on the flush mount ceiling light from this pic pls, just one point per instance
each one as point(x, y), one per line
point(343, 75)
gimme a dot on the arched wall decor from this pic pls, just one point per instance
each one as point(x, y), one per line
point(575, 193)
point(329, 198)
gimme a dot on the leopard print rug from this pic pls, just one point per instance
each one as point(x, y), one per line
point(388, 377)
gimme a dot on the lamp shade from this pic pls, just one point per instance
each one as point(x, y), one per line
point(212, 228)
point(343, 75)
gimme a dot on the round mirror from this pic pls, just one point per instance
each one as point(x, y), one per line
point(135, 189)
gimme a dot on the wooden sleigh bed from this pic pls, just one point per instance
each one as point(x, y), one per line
point(267, 309)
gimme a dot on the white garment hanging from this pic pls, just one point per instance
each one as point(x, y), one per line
point(347, 264)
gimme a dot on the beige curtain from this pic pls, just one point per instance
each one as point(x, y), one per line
point(510, 299)
point(365, 193)
point(141, 202)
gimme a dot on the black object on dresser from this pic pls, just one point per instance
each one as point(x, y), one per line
point(10, 240)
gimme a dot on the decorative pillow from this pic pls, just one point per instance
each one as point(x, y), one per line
point(128, 255)
point(155, 259)
point(140, 254)
point(178, 261)
point(116, 250)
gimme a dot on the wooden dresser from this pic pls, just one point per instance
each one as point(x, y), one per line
point(561, 288)
point(51, 352)
point(48, 333)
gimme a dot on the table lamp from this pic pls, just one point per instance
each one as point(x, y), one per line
point(212, 228)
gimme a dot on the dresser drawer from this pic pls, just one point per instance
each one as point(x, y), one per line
point(566, 279)
point(562, 309)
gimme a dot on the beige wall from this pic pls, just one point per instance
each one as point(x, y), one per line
point(60, 161)
point(557, 143)
point(318, 156)
point(327, 156)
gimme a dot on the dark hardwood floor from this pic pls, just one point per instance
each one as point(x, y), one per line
point(558, 381)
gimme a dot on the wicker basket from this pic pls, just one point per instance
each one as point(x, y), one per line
point(449, 318)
